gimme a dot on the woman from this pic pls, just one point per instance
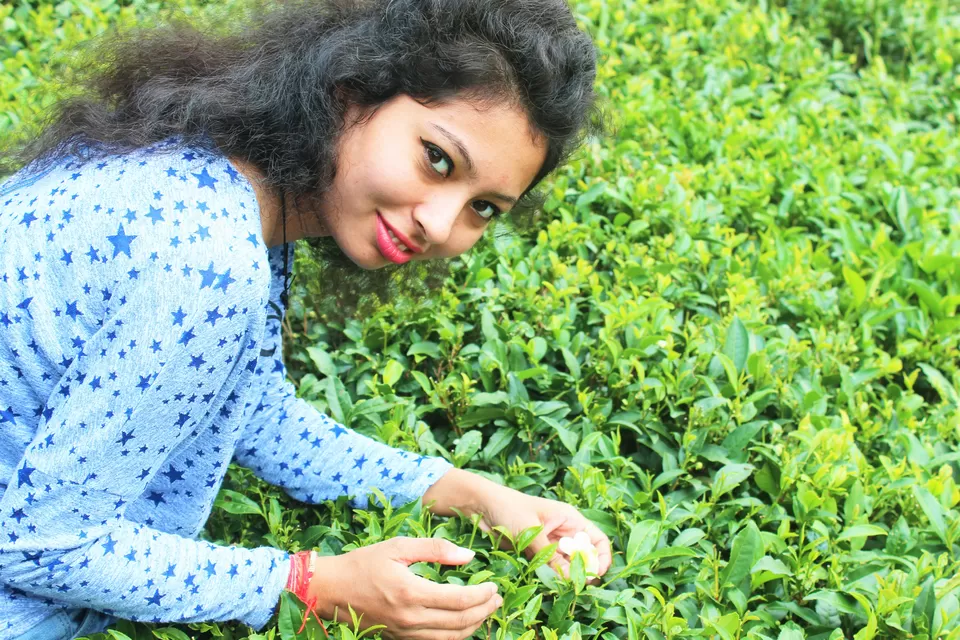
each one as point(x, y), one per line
point(145, 247)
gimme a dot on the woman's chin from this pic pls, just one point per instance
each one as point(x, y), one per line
point(364, 258)
point(368, 261)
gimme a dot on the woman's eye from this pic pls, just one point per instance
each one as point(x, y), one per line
point(486, 210)
point(440, 162)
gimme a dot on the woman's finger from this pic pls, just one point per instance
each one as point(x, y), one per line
point(564, 524)
point(452, 620)
point(602, 544)
point(469, 631)
point(561, 565)
point(452, 597)
point(443, 634)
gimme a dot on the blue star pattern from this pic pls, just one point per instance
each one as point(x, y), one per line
point(139, 355)
point(289, 443)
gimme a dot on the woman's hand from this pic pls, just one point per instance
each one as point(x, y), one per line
point(376, 582)
point(516, 511)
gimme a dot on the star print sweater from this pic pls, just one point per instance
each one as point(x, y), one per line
point(140, 352)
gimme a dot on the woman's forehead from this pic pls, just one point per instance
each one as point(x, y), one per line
point(497, 138)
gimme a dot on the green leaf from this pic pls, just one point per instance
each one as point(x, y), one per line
point(790, 631)
point(424, 349)
point(728, 478)
point(689, 537)
point(237, 503)
point(733, 377)
point(538, 348)
point(643, 539)
point(668, 552)
point(727, 626)
point(542, 557)
point(532, 372)
point(480, 415)
point(513, 601)
point(468, 445)
point(771, 565)
point(169, 633)
point(861, 531)
point(571, 362)
point(857, 285)
point(483, 399)
point(925, 606)
point(568, 437)
point(558, 613)
point(590, 195)
point(290, 617)
point(480, 577)
point(899, 206)
point(322, 361)
point(928, 296)
point(939, 382)
point(739, 439)
point(423, 381)
point(870, 630)
point(333, 400)
point(578, 574)
point(532, 609)
point(768, 479)
point(737, 345)
point(901, 538)
point(525, 537)
point(499, 441)
point(747, 549)
point(489, 325)
point(392, 372)
point(933, 510)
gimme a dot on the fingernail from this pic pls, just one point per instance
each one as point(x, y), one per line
point(493, 588)
point(499, 601)
point(464, 555)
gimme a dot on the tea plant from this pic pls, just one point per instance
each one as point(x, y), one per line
point(732, 343)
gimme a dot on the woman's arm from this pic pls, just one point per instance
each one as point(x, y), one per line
point(120, 410)
point(461, 490)
point(291, 444)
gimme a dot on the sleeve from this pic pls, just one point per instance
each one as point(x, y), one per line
point(290, 443)
point(148, 382)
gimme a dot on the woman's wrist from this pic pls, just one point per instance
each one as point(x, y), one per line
point(302, 570)
point(462, 490)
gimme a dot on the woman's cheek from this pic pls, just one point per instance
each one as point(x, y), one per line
point(465, 237)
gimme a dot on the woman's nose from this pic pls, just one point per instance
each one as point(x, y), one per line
point(436, 218)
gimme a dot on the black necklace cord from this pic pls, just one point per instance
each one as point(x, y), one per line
point(284, 295)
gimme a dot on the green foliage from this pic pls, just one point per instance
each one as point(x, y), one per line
point(733, 345)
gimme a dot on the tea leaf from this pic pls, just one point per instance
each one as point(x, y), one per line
point(737, 345)
point(746, 551)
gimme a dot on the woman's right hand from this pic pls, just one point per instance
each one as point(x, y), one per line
point(377, 583)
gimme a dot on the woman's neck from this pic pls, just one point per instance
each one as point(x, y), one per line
point(271, 210)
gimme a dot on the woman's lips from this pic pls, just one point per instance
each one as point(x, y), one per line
point(387, 247)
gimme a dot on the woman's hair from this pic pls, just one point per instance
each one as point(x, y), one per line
point(274, 91)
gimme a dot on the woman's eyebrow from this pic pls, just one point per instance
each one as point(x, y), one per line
point(471, 168)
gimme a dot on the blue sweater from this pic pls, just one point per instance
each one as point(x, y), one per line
point(139, 355)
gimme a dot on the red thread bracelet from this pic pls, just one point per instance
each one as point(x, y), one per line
point(298, 583)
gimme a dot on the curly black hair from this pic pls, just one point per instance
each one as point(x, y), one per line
point(273, 89)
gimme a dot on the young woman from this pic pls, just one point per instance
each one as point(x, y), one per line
point(144, 248)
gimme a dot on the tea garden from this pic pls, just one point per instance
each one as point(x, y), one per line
point(732, 342)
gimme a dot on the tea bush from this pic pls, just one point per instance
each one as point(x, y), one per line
point(733, 342)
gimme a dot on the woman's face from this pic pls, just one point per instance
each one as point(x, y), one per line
point(416, 182)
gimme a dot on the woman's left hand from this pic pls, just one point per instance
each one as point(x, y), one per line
point(516, 511)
